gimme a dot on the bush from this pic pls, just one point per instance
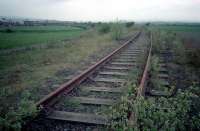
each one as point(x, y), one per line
point(119, 112)
point(9, 31)
point(104, 28)
point(177, 113)
point(193, 57)
point(154, 71)
point(117, 31)
point(148, 24)
point(179, 52)
point(130, 24)
point(14, 117)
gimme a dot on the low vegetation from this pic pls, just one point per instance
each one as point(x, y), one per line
point(130, 24)
point(154, 71)
point(177, 113)
point(12, 118)
point(117, 30)
point(194, 56)
point(104, 28)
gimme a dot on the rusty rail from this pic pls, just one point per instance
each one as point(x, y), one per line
point(142, 82)
point(67, 87)
point(142, 86)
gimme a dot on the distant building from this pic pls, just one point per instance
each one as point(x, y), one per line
point(32, 23)
point(9, 22)
point(27, 22)
point(4, 22)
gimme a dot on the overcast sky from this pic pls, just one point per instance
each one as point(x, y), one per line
point(104, 10)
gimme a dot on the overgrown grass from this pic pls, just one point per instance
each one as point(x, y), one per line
point(130, 24)
point(117, 30)
point(13, 117)
point(177, 113)
point(120, 112)
point(104, 28)
point(154, 71)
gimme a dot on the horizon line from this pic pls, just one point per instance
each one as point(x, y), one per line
point(96, 21)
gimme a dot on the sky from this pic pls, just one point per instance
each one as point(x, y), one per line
point(104, 10)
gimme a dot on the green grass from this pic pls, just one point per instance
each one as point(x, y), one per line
point(39, 28)
point(13, 40)
point(23, 37)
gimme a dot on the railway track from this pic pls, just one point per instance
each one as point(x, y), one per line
point(85, 98)
point(163, 76)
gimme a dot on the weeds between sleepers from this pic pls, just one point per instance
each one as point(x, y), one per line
point(177, 112)
point(119, 113)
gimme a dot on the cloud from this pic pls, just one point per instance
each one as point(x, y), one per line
point(104, 10)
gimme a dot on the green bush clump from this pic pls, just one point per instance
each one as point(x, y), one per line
point(176, 113)
point(179, 52)
point(154, 74)
point(130, 24)
point(117, 30)
point(13, 117)
point(119, 113)
point(9, 30)
point(104, 28)
point(194, 57)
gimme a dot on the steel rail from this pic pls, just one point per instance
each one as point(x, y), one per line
point(142, 86)
point(142, 82)
point(67, 87)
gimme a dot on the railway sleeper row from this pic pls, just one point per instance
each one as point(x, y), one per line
point(163, 76)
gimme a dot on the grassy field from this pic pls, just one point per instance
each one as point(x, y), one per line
point(39, 28)
point(26, 36)
point(189, 34)
point(177, 28)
